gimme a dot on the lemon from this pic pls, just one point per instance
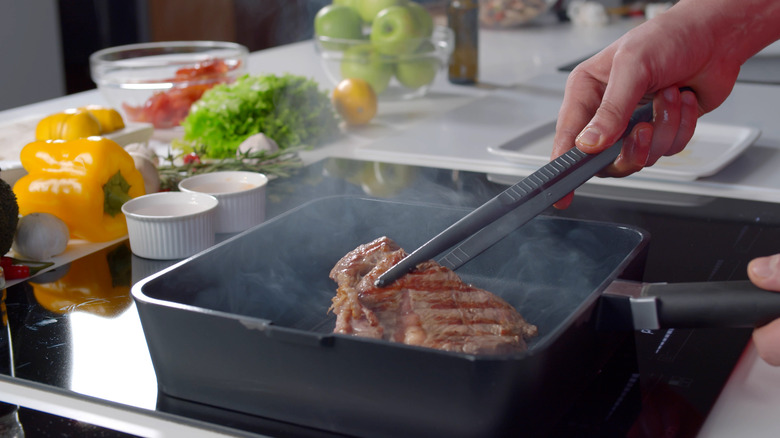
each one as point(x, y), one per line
point(355, 101)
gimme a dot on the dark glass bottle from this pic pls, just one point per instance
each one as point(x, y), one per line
point(463, 19)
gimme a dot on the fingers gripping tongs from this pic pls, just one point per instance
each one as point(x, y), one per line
point(491, 222)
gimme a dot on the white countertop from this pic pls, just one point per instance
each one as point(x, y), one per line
point(521, 87)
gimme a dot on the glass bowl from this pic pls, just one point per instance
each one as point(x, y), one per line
point(511, 13)
point(394, 77)
point(157, 82)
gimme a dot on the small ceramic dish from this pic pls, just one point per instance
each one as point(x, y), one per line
point(241, 197)
point(170, 225)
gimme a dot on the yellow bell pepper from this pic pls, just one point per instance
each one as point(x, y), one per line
point(110, 120)
point(83, 182)
point(78, 123)
point(98, 283)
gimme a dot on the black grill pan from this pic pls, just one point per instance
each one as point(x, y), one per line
point(244, 325)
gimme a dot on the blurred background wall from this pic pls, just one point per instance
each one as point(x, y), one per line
point(48, 42)
point(32, 68)
point(89, 25)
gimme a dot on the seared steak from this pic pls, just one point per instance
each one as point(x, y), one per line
point(429, 307)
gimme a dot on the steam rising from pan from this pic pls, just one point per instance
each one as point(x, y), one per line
point(279, 271)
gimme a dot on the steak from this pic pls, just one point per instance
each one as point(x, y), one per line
point(430, 306)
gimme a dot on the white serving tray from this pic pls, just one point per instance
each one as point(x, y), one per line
point(15, 135)
point(76, 249)
point(712, 147)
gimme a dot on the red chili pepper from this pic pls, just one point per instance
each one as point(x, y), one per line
point(6, 262)
point(14, 272)
point(14, 269)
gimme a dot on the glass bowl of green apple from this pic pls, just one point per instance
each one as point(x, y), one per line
point(392, 44)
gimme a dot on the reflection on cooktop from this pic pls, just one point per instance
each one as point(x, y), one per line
point(663, 383)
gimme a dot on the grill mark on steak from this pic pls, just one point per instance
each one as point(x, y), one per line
point(430, 307)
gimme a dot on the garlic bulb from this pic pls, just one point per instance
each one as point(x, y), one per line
point(40, 236)
point(149, 172)
point(255, 143)
point(143, 150)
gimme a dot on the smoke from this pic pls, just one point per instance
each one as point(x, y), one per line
point(551, 268)
point(279, 271)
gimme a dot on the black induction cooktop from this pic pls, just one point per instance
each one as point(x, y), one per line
point(656, 383)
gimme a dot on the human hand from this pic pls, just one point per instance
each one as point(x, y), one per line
point(764, 272)
point(651, 62)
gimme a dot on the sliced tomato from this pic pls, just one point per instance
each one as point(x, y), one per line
point(202, 70)
point(167, 109)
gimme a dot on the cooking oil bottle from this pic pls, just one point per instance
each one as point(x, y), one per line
point(463, 19)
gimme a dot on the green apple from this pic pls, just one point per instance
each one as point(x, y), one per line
point(395, 31)
point(370, 8)
point(424, 19)
point(419, 69)
point(365, 62)
point(338, 21)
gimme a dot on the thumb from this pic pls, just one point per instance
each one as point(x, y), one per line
point(764, 272)
point(603, 130)
point(621, 97)
point(767, 343)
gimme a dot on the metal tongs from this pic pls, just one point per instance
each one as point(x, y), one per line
point(488, 224)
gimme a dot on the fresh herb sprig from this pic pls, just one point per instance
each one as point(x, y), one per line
point(175, 168)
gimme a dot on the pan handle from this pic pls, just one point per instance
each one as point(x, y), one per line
point(713, 304)
point(686, 305)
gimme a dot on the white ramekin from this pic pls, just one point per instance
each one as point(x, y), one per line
point(241, 197)
point(170, 225)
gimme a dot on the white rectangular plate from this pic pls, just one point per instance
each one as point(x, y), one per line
point(17, 134)
point(76, 249)
point(712, 147)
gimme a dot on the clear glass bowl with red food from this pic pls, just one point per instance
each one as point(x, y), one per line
point(511, 13)
point(157, 82)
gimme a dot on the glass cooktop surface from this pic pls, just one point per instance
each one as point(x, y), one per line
point(78, 330)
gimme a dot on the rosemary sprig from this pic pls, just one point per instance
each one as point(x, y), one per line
point(175, 168)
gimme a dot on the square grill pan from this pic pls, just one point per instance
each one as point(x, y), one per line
point(245, 326)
